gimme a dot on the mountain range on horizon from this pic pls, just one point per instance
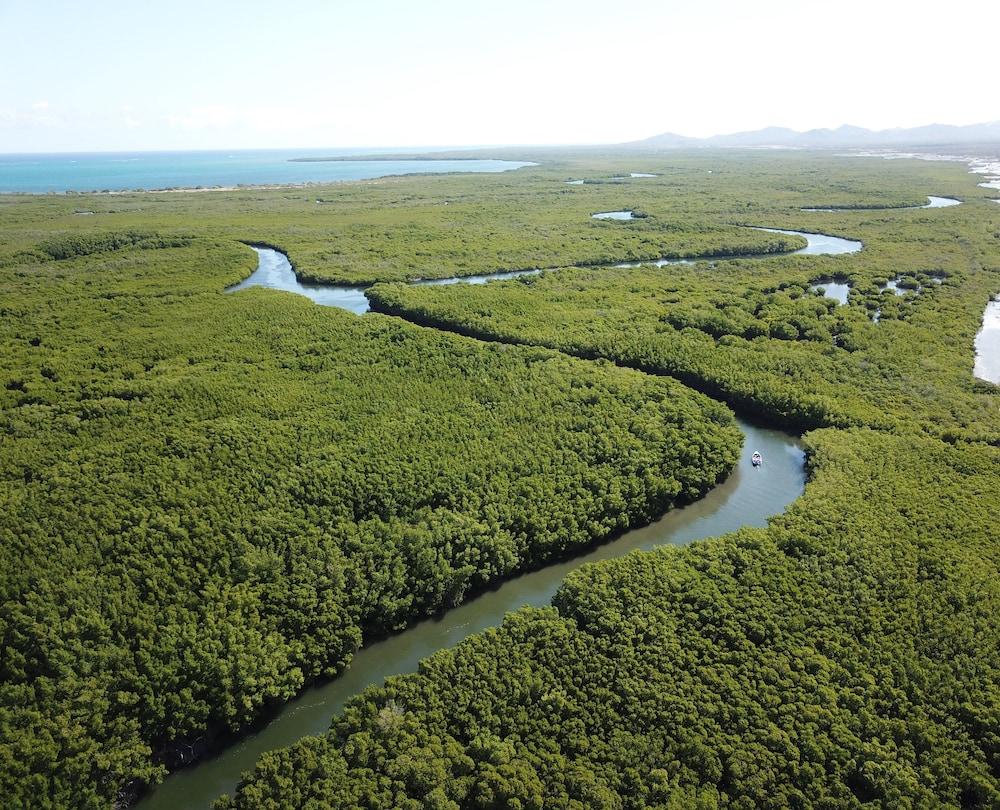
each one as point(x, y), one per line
point(843, 136)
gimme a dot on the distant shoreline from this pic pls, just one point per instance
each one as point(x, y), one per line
point(268, 175)
point(380, 158)
point(306, 184)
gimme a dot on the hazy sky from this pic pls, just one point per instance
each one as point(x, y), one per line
point(130, 74)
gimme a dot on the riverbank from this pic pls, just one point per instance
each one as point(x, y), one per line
point(783, 634)
point(743, 499)
point(275, 271)
point(748, 497)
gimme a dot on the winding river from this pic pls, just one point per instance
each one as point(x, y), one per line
point(932, 202)
point(275, 272)
point(749, 497)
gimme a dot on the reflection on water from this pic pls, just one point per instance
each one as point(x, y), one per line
point(833, 289)
point(480, 279)
point(820, 244)
point(613, 215)
point(897, 288)
point(749, 497)
point(987, 366)
point(941, 202)
point(932, 202)
point(275, 272)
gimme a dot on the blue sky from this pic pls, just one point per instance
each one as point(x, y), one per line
point(109, 75)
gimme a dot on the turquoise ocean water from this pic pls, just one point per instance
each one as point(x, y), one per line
point(119, 171)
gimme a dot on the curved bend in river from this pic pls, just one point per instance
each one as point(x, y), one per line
point(932, 202)
point(275, 272)
point(749, 497)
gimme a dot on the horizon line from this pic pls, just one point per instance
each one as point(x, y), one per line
point(468, 147)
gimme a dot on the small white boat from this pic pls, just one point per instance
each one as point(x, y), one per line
point(756, 459)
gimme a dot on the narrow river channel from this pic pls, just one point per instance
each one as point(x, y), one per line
point(275, 272)
point(749, 497)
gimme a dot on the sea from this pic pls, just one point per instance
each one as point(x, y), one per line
point(126, 171)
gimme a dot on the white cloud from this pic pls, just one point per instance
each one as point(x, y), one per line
point(36, 114)
point(129, 121)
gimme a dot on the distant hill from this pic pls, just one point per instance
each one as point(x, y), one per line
point(845, 136)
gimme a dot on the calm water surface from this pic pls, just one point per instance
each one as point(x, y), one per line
point(817, 244)
point(941, 202)
point(613, 214)
point(820, 244)
point(932, 202)
point(157, 170)
point(987, 365)
point(275, 272)
point(838, 290)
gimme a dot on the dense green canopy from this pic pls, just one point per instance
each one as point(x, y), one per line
point(847, 656)
point(753, 332)
point(209, 500)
